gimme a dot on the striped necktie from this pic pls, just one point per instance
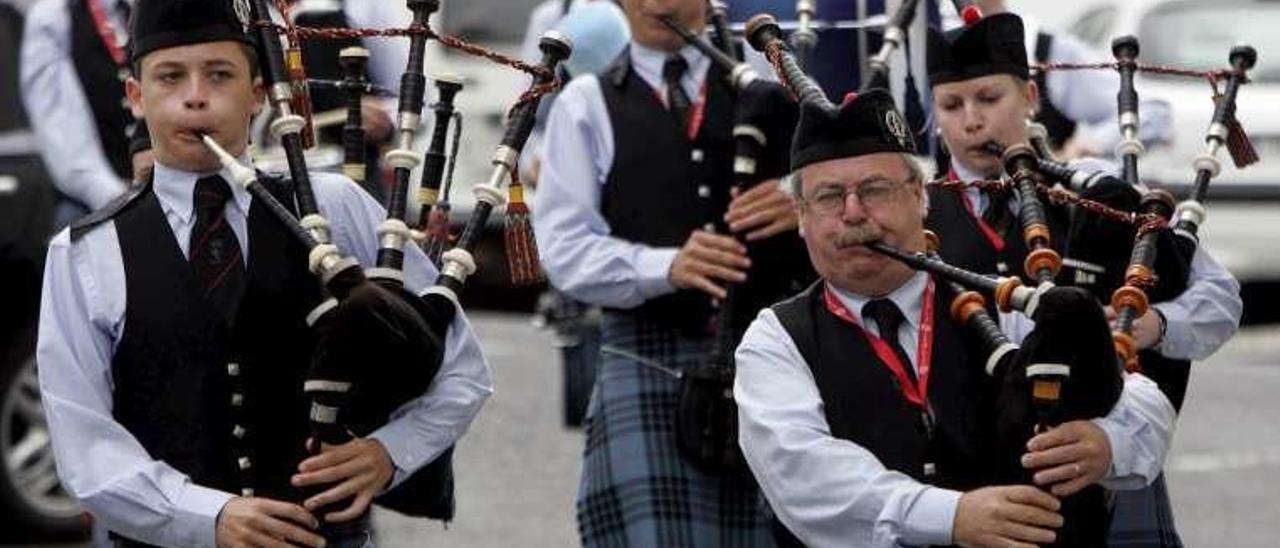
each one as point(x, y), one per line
point(214, 251)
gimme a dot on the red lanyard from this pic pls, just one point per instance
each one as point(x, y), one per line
point(916, 393)
point(107, 31)
point(997, 241)
point(699, 110)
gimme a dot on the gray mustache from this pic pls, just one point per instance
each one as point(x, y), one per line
point(858, 235)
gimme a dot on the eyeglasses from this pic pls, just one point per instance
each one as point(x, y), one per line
point(829, 200)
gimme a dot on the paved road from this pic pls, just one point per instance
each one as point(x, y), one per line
point(518, 467)
point(1224, 474)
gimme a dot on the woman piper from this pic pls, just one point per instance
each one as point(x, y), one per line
point(983, 95)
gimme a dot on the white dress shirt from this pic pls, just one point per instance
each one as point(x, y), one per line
point(57, 106)
point(1197, 322)
point(832, 492)
point(82, 322)
point(578, 253)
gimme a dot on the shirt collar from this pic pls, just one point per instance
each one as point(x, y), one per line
point(648, 63)
point(175, 189)
point(975, 195)
point(909, 297)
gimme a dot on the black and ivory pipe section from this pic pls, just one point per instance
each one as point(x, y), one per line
point(324, 259)
point(1190, 213)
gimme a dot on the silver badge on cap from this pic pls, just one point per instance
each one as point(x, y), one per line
point(243, 13)
point(897, 128)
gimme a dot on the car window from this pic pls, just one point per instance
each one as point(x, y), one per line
point(477, 20)
point(1094, 27)
point(1197, 35)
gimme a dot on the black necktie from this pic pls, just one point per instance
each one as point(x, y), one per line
point(126, 12)
point(997, 214)
point(677, 101)
point(214, 251)
point(889, 318)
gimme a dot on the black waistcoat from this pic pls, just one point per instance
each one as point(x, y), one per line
point(661, 186)
point(1059, 126)
point(863, 404)
point(965, 245)
point(100, 76)
point(175, 390)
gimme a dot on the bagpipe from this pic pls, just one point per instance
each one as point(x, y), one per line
point(1042, 262)
point(433, 212)
point(764, 119)
point(895, 35)
point(1065, 370)
point(804, 39)
point(378, 344)
point(1142, 259)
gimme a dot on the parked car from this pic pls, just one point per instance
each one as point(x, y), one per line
point(1243, 204)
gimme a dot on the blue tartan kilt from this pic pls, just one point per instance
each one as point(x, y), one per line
point(636, 489)
point(1143, 519)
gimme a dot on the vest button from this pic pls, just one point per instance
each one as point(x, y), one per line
point(246, 492)
point(244, 463)
point(704, 191)
point(237, 399)
point(238, 432)
point(709, 227)
point(696, 155)
point(233, 369)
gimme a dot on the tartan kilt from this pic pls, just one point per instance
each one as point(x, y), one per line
point(1143, 518)
point(636, 489)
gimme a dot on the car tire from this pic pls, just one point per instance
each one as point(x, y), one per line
point(31, 496)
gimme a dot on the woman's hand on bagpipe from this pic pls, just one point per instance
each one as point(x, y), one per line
point(356, 470)
point(1069, 457)
point(761, 212)
point(258, 522)
point(375, 121)
point(1007, 515)
point(1148, 328)
point(707, 257)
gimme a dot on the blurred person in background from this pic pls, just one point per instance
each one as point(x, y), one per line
point(598, 30)
point(73, 65)
point(637, 163)
point(982, 93)
point(1078, 107)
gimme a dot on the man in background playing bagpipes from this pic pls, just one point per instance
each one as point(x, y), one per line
point(174, 340)
point(633, 214)
point(982, 95)
point(863, 410)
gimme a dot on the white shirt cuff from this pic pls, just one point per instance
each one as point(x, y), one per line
point(1178, 337)
point(397, 438)
point(1121, 475)
point(653, 266)
point(198, 513)
point(931, 519)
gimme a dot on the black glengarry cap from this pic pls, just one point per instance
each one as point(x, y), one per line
point(868, 123)
point(159, 24)
point(993, 45)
